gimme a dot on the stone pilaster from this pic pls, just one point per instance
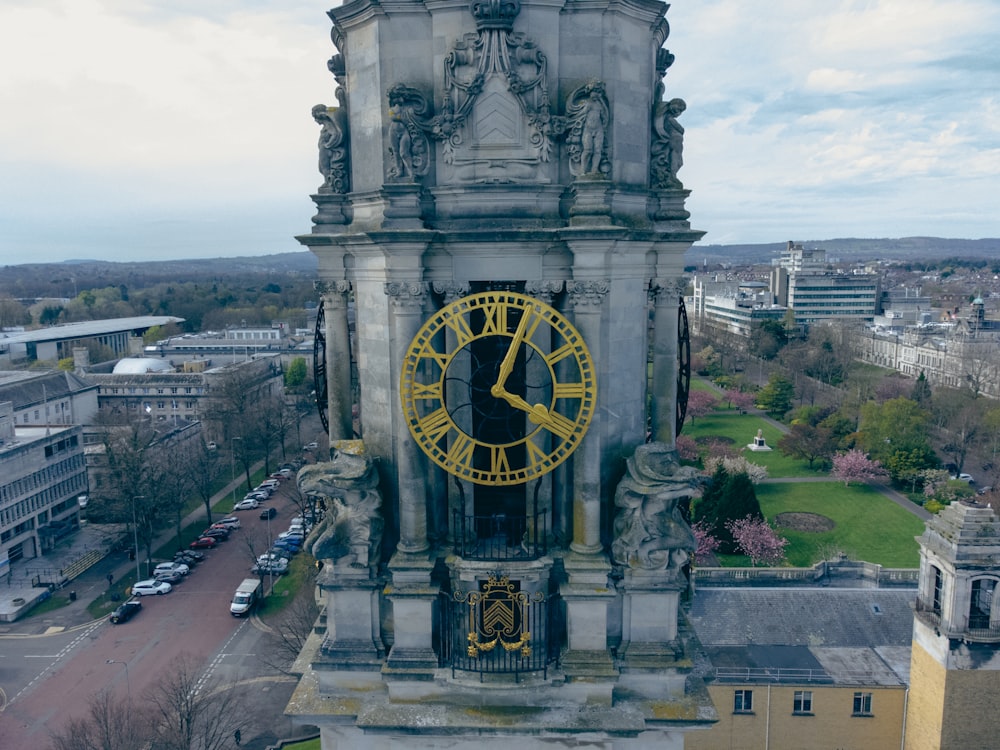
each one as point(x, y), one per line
point(665, 296)
point(338, 358)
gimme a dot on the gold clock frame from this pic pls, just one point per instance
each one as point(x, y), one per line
point(553, 430)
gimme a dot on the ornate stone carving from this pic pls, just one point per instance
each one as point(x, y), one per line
point(544, 290)
point(650, 532)
point(406, 295)
point(451, 290)
point(589, 293)
point(333, 147)
point(351, 530)
point(667, 149)
point(666, 290)
point(495, 121)
point(409, 148)
point(589, 117)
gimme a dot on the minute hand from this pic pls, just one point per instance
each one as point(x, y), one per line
point(497, 390)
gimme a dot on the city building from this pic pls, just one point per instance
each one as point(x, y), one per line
point(43, 478)
point(48, 397)
point(119, 336)
point(732, 307)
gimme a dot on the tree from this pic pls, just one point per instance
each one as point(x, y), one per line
point(737, 465)
point(776, 397)
point(958, 417)
point(205, 467)
point(855, 466)
point(755, 538)
point(700, 404)
point(687, 448)
point(110, 724)
point(295, 374)
point(727, 498)
point(705, 543)
point(808, 443)
point(921, 392)
point(740, 400)
point(194, 715)
point(767, 339)
point(896, 434)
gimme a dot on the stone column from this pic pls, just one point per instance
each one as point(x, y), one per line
point(411, 593)
point(555, 491)
point(455, 489)
point(586, 298)
point(338, 358)
point(665, 295)
point(407, 301)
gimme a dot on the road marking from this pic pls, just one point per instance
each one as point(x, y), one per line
point(56, 658)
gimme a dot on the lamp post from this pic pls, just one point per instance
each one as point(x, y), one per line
point(135, 539)
point(128, 682)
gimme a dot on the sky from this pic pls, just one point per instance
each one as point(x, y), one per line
point(171, 129)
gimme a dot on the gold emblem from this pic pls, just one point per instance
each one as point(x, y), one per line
point(498, 613)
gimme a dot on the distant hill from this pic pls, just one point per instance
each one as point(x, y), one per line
point(909, 248)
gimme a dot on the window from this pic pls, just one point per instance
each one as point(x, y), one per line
point(980, 604)
point(862, 704)
point(743, 702)
point(938, 585)
point(803, 702)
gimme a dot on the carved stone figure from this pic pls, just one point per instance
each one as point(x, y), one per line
point(408, 144)
point(332, 147)
point(351, 531)
point(589, 115)
point(668, 144)
point(650, 532)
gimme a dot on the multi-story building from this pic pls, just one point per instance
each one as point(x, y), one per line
point(732, 307)
point(51, 397)
point(43, 477)
point(154, 386)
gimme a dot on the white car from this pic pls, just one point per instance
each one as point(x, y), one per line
point(310, 446)
point(232, 522)
point(246, 504)
point(967, 478)
point(272, 484)
point(172, 567)
point(151, 586)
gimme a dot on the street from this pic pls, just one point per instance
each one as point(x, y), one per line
point(46, 680)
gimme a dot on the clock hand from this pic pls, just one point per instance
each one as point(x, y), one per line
point(508, 361)
point(537, 413)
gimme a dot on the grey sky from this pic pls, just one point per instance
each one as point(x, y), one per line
point(135, 129)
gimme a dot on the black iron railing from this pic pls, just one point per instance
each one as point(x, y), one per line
point(491, 637)
point(500, 537)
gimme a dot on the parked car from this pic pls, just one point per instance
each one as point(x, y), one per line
point(246, 504)
point(170, 576)
point(150, 586)
point(292, 535)
point(232, 522)
point(278, 567)
point(190, 554)
point(205, 542)
point(310, 446)
point(218, 534)
point(175, 567)
point(286, 472)
point(271, 483)
point(967, 478)
point(277, 475)
point(268, 513)
point(286, 549)
point(126, 611)
point(272, 557)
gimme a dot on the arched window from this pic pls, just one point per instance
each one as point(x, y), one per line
point(936, 594)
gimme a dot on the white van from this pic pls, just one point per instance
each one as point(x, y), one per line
point(246, 596)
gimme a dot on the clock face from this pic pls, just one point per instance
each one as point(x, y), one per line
point(498, 388)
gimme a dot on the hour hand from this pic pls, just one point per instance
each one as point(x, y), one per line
point(537, 413)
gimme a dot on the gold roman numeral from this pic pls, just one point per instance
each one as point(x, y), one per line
point(460, 326)
point(495, 319)
point(430, 391)
point(568, 390)
point(435, 425)
point(559, 425)
point(460, 450)
point(499, 462)
point(560, 354)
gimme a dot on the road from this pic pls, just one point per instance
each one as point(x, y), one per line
point(48, 679)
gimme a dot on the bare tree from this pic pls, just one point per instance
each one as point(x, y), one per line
point(289, 630)
point(191, 714)
point(205, 468)
point(110, 724)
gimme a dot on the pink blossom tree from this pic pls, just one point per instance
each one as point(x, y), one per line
point(700, 403)
point(757, 540)
point(855, 466)
point(687, 448)
point(740, 400)
point(706, 544)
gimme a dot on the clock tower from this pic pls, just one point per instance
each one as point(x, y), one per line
point(502, 365)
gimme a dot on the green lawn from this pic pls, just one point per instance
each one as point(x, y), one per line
point(738, 430)
point(869, 526)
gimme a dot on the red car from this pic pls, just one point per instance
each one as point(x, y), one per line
point(205, 542)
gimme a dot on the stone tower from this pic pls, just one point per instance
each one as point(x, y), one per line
point(955, 662)
point(504, 552)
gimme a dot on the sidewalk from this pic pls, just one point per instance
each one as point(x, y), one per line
point(93, 582)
